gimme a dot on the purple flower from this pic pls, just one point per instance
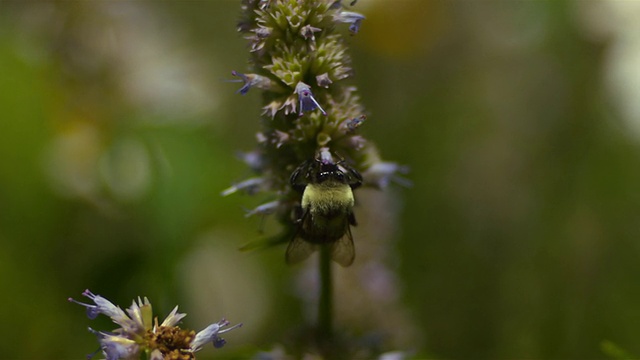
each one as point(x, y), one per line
point(103, 306)
point(249, 186)
point(264, 209)
point(251, 80)
point(354, 20)
point(210, 335)
point(140, 333)
point(308, 32)
point(306, 100)
point(353, 124)
point(323, 80)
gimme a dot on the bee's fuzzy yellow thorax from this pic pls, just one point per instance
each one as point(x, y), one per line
point(327, 196)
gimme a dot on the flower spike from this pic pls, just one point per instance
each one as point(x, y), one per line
point(298, 46)
point(306, 100)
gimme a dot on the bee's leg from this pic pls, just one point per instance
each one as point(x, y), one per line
point(354, 178)
point(299, 177)
point(298, 214)
point(352, 219)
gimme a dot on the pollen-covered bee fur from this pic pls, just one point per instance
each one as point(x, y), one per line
point(325, 214)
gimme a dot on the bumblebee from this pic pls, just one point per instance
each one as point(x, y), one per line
point(325, 214)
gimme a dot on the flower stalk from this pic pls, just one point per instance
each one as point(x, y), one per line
point(325, 306)
point(310, 157)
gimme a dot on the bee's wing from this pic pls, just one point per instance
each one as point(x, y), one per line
point(299, 249)
point(342, 251)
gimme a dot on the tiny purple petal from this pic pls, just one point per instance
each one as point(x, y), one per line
point(219, 342)
point(250, 186)
point(264, 209)
point(264, 4)
point(263, 32)
point(308, 32)
point(261, 138)
point(114, 351)
point(247, 83)
point(324, 156)
point(90, 356)
point(355, 27)
point(116, 347)
point(253, 159)
point(92, 310)
point(323, 80)
point(251, 80)
point(353, 124)
point(382, 173)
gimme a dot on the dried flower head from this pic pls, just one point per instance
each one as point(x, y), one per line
point(140, 333)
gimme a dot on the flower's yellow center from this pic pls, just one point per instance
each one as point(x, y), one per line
point(173, 342)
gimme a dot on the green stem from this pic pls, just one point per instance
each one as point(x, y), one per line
point(325, 307)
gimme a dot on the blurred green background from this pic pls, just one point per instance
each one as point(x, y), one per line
point(519, 120)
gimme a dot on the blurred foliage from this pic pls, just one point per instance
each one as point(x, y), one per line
point(518, 239)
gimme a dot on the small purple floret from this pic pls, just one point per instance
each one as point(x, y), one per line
point(92, 310)
point(306, 100)
point(219, 342)
point(354, 20)
point(247, 83)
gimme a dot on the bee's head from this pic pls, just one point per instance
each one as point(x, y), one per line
point(329, 171)
point(324, 168)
